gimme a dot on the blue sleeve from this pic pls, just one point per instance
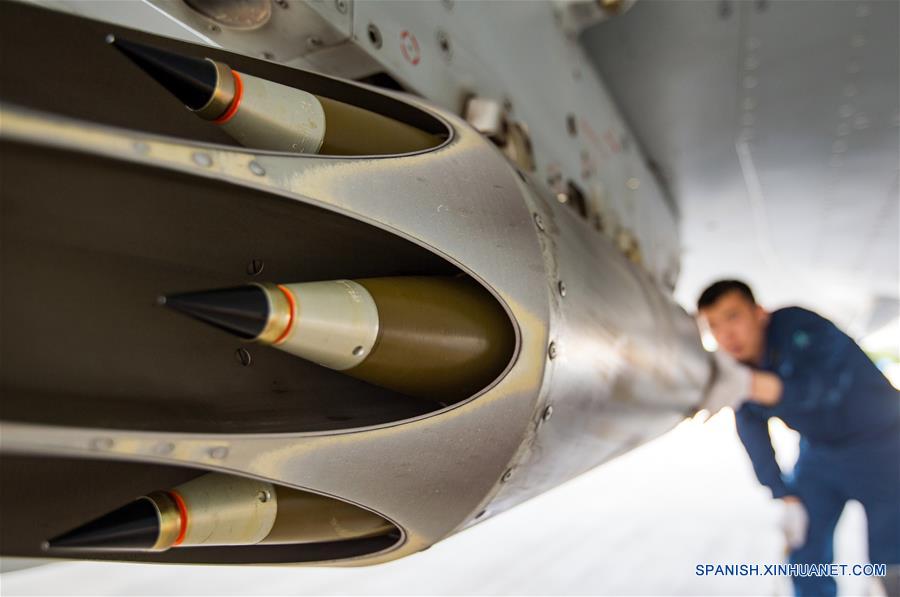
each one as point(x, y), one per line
point(753, 429)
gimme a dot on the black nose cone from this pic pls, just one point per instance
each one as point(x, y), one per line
point(243, 311)
point(192, 80)
point(134, 526)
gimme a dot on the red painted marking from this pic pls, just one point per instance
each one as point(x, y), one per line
point(238, 95)
point(409, 47)
point(290, 298)
point(182, 514)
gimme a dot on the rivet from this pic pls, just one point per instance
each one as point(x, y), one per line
point(313, 42)
point(539, 222)
point(202, 159)
point(264, 496)
point(552, 350)
point(548, 412)
point(243, 356)
point(255, 267)
point(219, 452)
point(480, 514)
point(506, 476)
point(562, 197)
point(562, 288)
point(358, 351)
point(341, 6)
point(257, 168)
point(571, 125)
point(101, 443)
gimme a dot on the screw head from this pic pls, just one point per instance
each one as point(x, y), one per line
point(255, 267)
point(548, 412)
point(539, 222)
point(552, 350)
point(562, 288)
point(264, 496)
point(257, 168)
point(506, 476)
point(243, 357)
point(341, 6)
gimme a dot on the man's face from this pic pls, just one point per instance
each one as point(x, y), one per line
point(738, 325)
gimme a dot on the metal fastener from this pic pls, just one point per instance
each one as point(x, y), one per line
point(551, 350)
point(255, 267)
point(202, 159)
point(264, 496)
point(506, 476)
point(243, 356)
point(341, 6)
point(562, 288)
point(257, 168)
point(548, 412)
point(539, 222)
point(374, 35)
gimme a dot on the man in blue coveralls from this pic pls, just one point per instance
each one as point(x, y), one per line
point(798, 366)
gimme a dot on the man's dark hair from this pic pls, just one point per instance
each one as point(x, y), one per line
point(718, 289)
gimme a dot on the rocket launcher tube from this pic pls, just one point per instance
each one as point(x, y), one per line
point(220, 509)
point(438, 337)
point(263, 114)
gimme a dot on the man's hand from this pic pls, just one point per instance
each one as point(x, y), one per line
point(731, 384)
point(794, 521)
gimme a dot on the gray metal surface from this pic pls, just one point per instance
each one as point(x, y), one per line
point(777, 124)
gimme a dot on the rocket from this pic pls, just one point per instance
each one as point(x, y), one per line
point(441, 337)
point(220, 509)
point(263, 114)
